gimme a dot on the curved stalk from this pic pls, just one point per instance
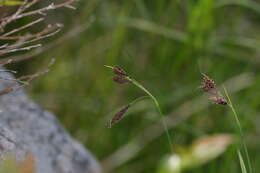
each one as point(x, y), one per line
point(137, 84)
point(230, 104)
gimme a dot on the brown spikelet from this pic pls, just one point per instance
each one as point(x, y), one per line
point(118, 116)
point(218, 100)
point(119, 71)
point(208, 85)
point(120, 79)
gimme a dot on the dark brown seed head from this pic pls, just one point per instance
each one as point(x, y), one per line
point(118, 116)
point(120, 79)
point(218, 100)
point(119, 71)
point(208, 85)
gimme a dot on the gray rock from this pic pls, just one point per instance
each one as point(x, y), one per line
point(25, 128)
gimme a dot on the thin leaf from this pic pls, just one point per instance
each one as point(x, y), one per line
point(242, 163)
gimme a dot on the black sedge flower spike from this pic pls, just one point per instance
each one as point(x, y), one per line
point(118, 116)
point(121, 76)
point(208, 85)
point(119, 71)
point(120, 79)
point(218, 100)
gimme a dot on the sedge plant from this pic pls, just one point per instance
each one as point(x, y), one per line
point(209, 86)
point(121, 77)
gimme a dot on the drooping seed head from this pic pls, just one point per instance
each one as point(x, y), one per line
point(119, 71)
point(118, 116)
point(208, 85)
point(120, 79)
point(218, 100)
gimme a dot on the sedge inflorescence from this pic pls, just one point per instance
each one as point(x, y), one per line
point(209, 86)
point(121, 77)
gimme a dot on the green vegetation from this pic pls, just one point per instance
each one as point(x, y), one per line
point(10, 2)
point(165, 45)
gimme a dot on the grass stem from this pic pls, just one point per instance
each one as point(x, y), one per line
point(230, 104)
point(137, 84)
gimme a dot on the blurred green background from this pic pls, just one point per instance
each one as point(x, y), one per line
point(164, 44)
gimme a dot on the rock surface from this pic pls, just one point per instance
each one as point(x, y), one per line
point(25, 128)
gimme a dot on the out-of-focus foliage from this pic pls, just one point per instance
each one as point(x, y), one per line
point(165, 45)
point(200, 152)
point(10, 2)
point(9, 165)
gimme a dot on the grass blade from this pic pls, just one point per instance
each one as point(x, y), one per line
point(241, 161)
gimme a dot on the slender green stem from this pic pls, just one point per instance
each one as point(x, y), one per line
point(139, 99)
point(137, 84)
point(108, 66)
point(242, 164)
point(230, 104)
